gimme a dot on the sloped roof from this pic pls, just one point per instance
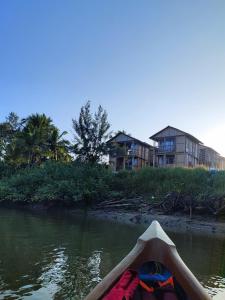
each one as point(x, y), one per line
point(209, 148)
point(153, 137)
point(131, 137)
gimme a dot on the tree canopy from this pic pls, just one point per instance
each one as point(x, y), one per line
point(91, 134)
point(32, 140)
point(35, 139)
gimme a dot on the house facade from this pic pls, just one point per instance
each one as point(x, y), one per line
point(129, 153)
point(211, 159)
point(172, 147)
point(221, 163)
point(208, 157)
point(175, 148)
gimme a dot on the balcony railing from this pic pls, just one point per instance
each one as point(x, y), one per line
point(132, 152)
point(124, 152)
point(167, 148)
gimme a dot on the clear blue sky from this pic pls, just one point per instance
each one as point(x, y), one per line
point(149, 63)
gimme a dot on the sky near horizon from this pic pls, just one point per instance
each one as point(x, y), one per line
point(148, 63)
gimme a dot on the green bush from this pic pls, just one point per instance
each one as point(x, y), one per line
point(76, 182)
point(54, 181)
point(156, 183)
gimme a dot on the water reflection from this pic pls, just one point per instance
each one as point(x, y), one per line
point(205, 256)
point(94, 264)
point(214, 284)
point(63, 257)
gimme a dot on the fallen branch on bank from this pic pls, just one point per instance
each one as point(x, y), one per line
point(173, 202)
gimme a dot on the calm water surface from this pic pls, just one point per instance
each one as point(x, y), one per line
point(62, 257)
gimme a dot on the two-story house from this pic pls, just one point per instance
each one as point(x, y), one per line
point(175, 148)
point(129, 153)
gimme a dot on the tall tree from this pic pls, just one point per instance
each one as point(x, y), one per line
point(37, 140)
point(8, 132)
point(58, 146)
point(31, 140)
point(35, 134)
point(91, 134)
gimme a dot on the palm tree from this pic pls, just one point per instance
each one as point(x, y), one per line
point(58, 146)
point(36, 141)
point(35, 134)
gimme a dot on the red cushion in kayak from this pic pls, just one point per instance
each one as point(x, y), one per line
point(125, 287)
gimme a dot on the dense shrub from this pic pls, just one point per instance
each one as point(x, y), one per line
point(90, 183)
point(6, 170)
point(54, 181)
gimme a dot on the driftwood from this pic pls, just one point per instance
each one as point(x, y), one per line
point(171, 203)
point(132, 203)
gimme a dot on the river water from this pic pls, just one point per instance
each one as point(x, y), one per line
point(62, 256)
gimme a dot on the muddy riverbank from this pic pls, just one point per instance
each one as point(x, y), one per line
point(176, 223)
point(205, 224)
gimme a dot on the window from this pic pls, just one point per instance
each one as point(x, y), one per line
point(160, 160)
point(128, 164)
point(167, 145)
point(170, 159)
point(132, 149)
point(135, 162)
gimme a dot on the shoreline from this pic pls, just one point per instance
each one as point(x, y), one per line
point(176, 223)
point(204, 224)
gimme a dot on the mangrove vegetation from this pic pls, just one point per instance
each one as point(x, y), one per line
point(77, 184)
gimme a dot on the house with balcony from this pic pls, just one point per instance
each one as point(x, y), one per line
point(175, 148)
point(129, 153)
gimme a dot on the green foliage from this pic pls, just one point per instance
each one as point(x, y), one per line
point(160, 181)
point(73, 182)
point(35, 139)
point(156, 183)
point(31, 141)
point(58, 146)
point(56, 181)
point(8, 131)
point(91, 134)
point(6, 170)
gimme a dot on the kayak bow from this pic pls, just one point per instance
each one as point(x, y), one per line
point(153, 245)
